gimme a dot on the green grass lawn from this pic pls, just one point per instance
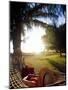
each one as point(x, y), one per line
point(53, 62)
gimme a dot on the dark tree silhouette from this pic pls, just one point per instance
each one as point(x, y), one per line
point(55, 38)
point(61, 39)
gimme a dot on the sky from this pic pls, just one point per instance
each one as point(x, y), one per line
point(61, 20)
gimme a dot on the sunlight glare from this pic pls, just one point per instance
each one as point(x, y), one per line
point(33, 42)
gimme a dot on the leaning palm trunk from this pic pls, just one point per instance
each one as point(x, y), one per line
point(17, 55)
point(17, 40)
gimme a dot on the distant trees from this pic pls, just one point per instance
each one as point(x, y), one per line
point(61, 39)
point(55, 38)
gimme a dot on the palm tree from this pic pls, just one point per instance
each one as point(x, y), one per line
point(23, 13)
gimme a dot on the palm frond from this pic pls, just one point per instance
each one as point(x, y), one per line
point(45, 15)
point(39, 23)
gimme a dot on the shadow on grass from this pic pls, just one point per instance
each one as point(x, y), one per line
point(60, 67)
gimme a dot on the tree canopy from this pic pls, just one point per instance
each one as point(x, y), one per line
point(25, 13)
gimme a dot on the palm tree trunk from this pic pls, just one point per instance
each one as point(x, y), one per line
point(17, 49)
point(17, 40)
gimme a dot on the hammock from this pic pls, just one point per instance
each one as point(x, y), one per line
point(15, 79)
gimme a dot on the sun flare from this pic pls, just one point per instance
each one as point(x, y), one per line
point(33, 42)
